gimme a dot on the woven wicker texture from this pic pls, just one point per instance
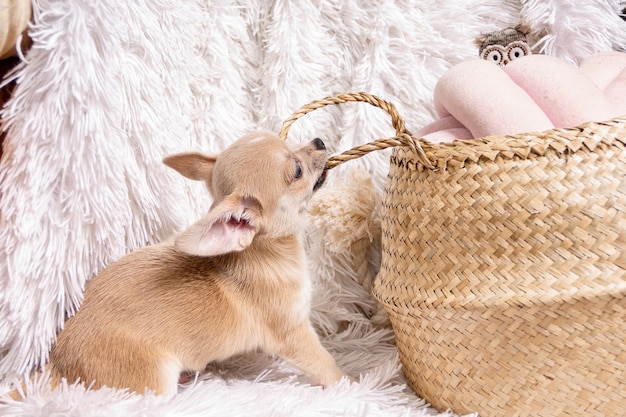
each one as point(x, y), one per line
point(504, 269)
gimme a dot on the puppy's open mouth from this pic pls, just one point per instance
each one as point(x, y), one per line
point(320, 181)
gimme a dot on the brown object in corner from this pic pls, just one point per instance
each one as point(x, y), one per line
point(6, 65)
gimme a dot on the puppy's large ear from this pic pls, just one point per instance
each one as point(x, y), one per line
point(193, 165)
point(230, 226)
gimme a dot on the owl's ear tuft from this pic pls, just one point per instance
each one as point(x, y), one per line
point(523, 28)
point(478, 41)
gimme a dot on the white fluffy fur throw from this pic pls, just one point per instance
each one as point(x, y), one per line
point(111, 87)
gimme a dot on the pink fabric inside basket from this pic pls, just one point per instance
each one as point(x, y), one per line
point(535, 93)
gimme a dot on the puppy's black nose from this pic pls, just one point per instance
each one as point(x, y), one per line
point(319, 144)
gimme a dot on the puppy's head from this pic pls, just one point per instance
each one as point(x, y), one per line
point(259, 186)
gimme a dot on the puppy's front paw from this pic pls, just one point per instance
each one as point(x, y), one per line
point(338, 379)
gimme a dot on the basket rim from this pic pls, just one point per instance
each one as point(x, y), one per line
point(586, 137)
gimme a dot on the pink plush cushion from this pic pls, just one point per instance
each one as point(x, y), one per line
point(538, 92)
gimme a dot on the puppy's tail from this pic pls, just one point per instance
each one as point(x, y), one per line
point(41, 378)
point(16, 394)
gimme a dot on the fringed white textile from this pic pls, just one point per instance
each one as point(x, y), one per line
point(111, 87)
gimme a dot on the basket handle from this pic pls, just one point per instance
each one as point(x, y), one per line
point(403, 136)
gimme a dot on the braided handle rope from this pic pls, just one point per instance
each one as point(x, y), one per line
point(403, 136)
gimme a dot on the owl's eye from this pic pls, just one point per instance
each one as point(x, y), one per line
point(517, 50)
point(494, 54)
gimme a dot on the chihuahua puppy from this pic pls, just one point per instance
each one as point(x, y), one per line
point(233, 282)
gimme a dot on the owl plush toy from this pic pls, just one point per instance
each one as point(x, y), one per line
point(530, 93)
point(504, 46)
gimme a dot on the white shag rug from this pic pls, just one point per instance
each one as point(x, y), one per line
point(111, 87)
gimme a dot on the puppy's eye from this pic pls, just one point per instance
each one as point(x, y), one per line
point(298, 172)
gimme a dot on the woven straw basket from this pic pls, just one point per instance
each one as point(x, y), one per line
point(504, 267)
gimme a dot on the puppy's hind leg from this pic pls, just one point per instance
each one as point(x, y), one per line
point(138, 370)
point(303, 349)
point(170, 375)
point(159, 375)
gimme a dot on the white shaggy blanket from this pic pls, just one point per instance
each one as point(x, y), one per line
point(110, 87)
